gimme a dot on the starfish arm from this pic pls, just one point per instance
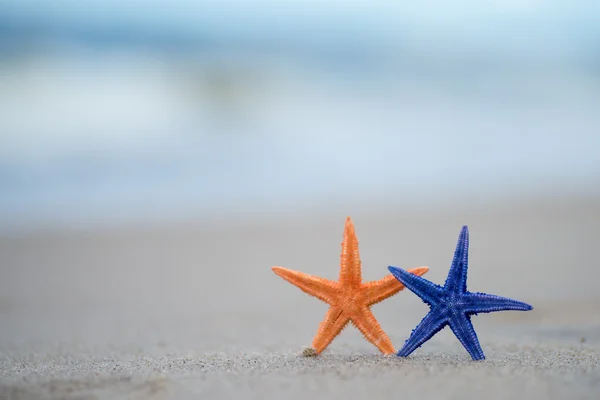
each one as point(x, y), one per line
point(377, 291)
point(335, 320)
point(429, 326)
point(456, 281)
point(429, 292)
point(366, 323)
point(463, 329)
point(350, 266)
point(322, 289)
point(484, 303)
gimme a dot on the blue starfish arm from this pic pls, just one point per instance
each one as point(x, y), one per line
point(456, 282)
point(463, 329)
point(429, 292)
point(433, 322)
point(484, 303)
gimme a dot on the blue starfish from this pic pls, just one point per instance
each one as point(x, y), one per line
point(452, 304)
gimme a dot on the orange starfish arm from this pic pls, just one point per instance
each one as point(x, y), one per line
point(335, 320)
point(377, 291)
point(321, 288)
point(350, 271)
point(371, 330)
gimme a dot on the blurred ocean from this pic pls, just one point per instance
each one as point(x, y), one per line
point(157, 109)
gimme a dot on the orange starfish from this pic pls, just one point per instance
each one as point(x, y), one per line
point(350, 299)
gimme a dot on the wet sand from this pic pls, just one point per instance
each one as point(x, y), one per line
point(193, 310)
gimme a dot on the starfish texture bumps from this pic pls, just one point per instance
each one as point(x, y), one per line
point(349, 298)
point(452, 304)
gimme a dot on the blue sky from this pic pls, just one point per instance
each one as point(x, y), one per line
point(549, 24)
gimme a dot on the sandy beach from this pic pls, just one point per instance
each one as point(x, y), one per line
point(192, 309)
